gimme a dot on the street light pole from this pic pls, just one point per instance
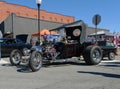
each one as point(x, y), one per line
point(38, 22)
point(38, 2)
point(12, 25)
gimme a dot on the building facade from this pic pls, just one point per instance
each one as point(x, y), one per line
point(19, 19)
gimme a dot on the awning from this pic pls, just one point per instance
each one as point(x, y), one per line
point(102, 33)
point(42, 32)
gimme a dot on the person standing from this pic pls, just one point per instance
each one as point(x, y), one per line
point(45, 37)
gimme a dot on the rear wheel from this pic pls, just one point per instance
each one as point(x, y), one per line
point(92, 55)
point(15, 57)
point(35, 61)
point(111, 56)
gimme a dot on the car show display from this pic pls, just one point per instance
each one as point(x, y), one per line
point(70, 47)
point(64, 51)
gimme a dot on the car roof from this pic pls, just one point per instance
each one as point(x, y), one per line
point(9, 39)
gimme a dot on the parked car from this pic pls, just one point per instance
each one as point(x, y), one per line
point(12, 45)
point(65, 52)
point(108, 49)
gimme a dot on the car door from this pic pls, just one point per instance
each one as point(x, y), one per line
point(70, 49)
point(11, 45)
point(3, 47)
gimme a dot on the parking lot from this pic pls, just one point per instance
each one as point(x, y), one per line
point(106, 75)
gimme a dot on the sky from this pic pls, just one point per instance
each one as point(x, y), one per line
point(109, 10)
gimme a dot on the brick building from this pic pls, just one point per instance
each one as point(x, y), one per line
point(22, 19)
point(19, 19)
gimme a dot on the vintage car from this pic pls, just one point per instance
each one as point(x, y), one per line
point(11, 46)
point(66, 51)
point(70, 48)
point(108, 49)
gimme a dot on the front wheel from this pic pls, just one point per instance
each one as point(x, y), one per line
point(111, 56)
point(35, 61)
point(15, 57)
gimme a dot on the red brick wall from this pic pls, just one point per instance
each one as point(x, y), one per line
point(6, 9)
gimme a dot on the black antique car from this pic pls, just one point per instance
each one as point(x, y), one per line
point(108, 49)
point(70, 48)
point(66, 51)
point(11, 46)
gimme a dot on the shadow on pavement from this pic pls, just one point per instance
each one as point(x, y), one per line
point(7, 65)
point(26, 68)
point(23, 69)
point(20, 68)
point(61, 64)
point(102, 74)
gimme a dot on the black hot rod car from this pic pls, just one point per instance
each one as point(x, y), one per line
point(65, 51)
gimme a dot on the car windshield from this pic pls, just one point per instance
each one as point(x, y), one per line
point(19, 41)
point(110, 44)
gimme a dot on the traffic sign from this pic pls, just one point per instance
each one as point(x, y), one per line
point(96, 19)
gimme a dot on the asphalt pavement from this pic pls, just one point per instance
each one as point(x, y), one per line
point(106, 75)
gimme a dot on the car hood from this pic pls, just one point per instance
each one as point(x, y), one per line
point(22, 37)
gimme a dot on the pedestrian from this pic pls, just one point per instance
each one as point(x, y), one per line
point(45, 37)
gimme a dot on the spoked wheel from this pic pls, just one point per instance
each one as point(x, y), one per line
point(96, 55)
point(15, 57)
point(111, 56)
point(92, 55)
point(35, 61)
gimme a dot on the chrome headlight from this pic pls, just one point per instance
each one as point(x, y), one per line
point(26, 51)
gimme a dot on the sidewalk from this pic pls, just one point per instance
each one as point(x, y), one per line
point(4, 61)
